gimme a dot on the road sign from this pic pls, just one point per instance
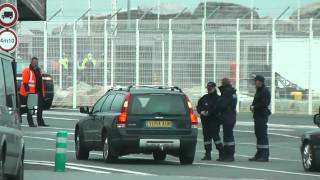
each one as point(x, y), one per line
point(8, 15)
point(8, 40)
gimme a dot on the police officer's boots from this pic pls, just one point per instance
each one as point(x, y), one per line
point(207, 156)
point(220, 158)
point(228, 154)
point(220, 149)
point(262, 155)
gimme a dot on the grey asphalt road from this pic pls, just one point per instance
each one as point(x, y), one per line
point(285, 132)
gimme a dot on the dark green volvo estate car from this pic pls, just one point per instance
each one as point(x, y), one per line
point(11, 136)
point(139, 119)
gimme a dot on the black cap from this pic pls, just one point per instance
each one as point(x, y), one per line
point(211, 84)
point(259, 78)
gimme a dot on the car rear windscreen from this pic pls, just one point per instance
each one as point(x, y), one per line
point(158, 104)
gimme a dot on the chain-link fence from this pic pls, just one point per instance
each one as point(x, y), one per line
point(85, 62)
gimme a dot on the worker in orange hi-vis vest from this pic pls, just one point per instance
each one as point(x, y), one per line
point(32, 83)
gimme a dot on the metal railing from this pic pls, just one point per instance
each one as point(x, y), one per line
point(184, 53)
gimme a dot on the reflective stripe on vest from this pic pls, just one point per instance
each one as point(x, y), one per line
point(31, 81)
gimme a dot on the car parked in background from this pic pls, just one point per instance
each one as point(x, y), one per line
point(310, 148)
point(139, 119)
point(11, 136)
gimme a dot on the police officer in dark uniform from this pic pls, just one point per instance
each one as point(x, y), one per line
point(261, 112)
point(210, 123)
point(226, 107)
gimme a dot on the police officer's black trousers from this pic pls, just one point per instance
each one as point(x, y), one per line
point(228, 139)
point(261, 132)
point(211, 130)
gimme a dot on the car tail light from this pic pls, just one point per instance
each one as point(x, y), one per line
point(192, 115)
point(122, 118)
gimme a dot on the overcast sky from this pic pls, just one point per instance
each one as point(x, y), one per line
point(73, 10)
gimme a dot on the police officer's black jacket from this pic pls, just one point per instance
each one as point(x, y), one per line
point(207, 102)
point(261, 101)
point(228, 99)
point(227, 102)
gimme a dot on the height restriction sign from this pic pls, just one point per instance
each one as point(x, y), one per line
point(8, 40)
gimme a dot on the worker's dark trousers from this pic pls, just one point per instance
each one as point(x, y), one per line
point(211, 130)
point(229, 121)
point(261, 132)
point(24, 100)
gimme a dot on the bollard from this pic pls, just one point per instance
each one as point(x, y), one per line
point(61, 149)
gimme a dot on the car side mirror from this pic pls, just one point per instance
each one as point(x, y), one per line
point(316, 120)
point(85, 110)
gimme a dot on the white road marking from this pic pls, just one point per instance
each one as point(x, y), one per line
point(277, 129)
point(57, 118)
point(64, 119)
point(61, 113)
point(97, 167)
point(53, 150)
point(60, 108)
point(271, 129)
point(258, 169)
point(270, 133)
point(246, 156)
point(45, 132)
point(67, 166)
point(56, 128)
point(46, 139)
point(246, 123)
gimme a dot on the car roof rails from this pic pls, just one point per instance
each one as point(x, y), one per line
point(118, 88)
point(172, 88)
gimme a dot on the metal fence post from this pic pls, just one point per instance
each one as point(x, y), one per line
point(273, 77)
point(112, 62)
point(170, 54)
point(74, 97)
point(310, 103)
point(105, 58)
point(214, 59)
point(268, 51)
point(45, 47)
point(203, 56)
point(238, 61)
point(162, 59)
point(137, 53)
point(60, 57)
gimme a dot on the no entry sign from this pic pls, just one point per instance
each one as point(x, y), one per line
point(8, 40)
point(8, 15)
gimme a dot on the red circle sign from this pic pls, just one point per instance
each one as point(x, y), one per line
point(8, 40)
point(8, 15)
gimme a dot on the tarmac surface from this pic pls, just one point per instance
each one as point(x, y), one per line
point(285, 162)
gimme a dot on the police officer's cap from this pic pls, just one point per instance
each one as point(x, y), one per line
point(259, 78)
point(211, 84)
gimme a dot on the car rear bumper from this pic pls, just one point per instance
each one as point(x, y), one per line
point(146, 144)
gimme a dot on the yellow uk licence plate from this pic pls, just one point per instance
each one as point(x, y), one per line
point(159, 124)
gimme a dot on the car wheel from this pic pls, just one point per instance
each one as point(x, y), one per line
point(20, 174)
point(2, 169)
point(159, 156)
point(82, 153)
point(308, 158)
point(107, 152)
point(187, 156)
